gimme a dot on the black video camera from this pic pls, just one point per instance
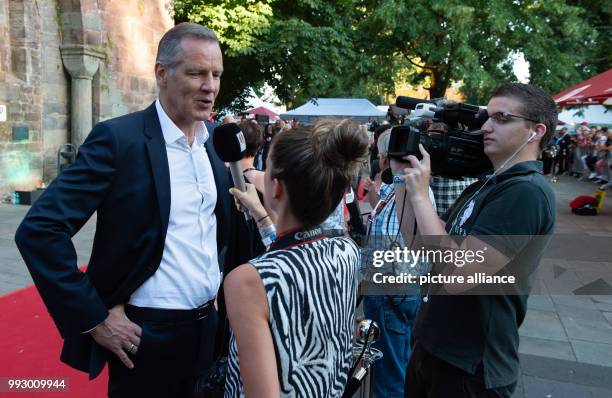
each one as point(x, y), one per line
point(450, 132)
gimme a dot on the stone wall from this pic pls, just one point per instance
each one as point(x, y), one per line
point(127, 81)
point(21, 161)
point(35, 85)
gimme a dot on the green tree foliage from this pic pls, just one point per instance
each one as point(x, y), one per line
point(473, 41)
point(317, 48)
point(598, 14)
point(237, 24)
point(303, 49)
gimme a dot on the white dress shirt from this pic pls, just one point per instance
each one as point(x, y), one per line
point(188, 274)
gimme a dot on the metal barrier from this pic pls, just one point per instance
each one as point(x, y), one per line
point(363, 357)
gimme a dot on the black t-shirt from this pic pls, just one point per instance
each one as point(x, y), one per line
point(469, 330)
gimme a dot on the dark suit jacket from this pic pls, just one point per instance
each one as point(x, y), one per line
point(121, 172)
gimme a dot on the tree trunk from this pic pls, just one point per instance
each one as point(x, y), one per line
point(439, 83)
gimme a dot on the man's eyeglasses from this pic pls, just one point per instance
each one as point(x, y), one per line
point(505, 117)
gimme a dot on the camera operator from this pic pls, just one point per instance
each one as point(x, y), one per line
point(468, 345)
point(394, 313)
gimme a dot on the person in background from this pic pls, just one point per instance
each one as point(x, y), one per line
point(580, 142)
point(602, 147)
point(262, 155)
point(394, 313)
point(228, 119)
point(253, 139)
point(372, 183)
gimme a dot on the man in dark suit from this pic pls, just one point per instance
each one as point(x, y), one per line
point(146, 302)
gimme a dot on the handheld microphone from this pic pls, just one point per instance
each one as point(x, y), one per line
point(230, 145)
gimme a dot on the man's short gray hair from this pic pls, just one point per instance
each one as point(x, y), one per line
point(383, 142)
point(169, 49)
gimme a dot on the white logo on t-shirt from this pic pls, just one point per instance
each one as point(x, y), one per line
point(466, 213)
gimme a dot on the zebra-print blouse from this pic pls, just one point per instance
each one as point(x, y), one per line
point(311, 292)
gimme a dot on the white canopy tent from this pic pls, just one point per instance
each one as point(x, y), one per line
point(594, 115)
point(358, 109)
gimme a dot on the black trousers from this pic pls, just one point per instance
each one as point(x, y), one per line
point(175, 348)
point(430, 377)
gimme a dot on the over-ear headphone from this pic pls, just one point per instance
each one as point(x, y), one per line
point(532, 136)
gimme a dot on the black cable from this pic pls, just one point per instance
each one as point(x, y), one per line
point(365, 345)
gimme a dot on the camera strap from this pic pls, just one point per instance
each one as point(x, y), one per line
point(296, 237)
point(382, 203)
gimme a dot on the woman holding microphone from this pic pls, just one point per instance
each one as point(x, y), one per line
point(292, 309)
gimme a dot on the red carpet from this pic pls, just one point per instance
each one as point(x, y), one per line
point(30, 347)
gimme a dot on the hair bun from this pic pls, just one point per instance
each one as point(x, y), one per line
point(339, 144)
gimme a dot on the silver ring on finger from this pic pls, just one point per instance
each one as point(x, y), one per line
point(131, 349)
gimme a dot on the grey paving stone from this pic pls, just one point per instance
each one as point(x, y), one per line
point(540, 302)
point(8, 230)
point(16, 267)
point(603, 299)
point(593, 353)
point(585, 324)
point(583, 302)
point(566, 371)
point(535, 387)
point(600, 233)
point(9, 254)
point(7, 242)
point(564, 284)
point(14, 277)
point(520, 389)
point(608, 316)
point(543, 325)
point(6, 288)
point(546, 348)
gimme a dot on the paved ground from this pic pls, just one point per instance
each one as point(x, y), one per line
point(566, 341)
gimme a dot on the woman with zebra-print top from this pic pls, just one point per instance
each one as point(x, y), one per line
point(292, 309)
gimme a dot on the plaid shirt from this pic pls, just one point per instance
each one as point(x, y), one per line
point(447, 190)
point(386, 222)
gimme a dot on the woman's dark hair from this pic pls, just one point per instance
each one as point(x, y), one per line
point(316, 164)
point(252, 136)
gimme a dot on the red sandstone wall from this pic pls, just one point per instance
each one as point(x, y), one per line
point(36, 88)
point(131, 30)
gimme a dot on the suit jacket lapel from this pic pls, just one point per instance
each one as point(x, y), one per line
point(158, 159)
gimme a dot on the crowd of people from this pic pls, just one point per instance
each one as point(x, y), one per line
point(173, 253)
point(582, 152)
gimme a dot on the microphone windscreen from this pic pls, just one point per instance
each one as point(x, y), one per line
point(229, 142)
point(409, 102)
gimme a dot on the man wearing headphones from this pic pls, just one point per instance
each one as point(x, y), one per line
point(467, 345)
